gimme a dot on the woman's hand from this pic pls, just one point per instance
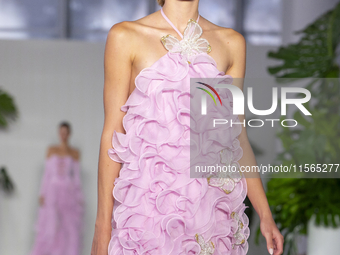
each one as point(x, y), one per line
point(41, 200)
point(101, 241)
point(273, 236)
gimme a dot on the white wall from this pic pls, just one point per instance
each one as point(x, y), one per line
point(50, 81)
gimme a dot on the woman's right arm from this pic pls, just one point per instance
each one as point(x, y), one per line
point(118, 60)
point(46, 177)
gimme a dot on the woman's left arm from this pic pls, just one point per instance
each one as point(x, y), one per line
point(237, 51)
point(77, 178)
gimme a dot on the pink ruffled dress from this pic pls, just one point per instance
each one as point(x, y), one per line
point(159, 209)
point(59, 225)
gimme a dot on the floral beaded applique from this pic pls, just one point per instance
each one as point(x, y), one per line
point(226, 180)
point(239, 237)
point(206, 248)
point(190, 45)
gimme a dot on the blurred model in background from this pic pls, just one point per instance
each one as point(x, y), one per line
point(60, 216)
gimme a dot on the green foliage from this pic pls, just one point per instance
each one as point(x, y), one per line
point(5, 182)
point(7, 108)
point(315, 54)
point(317, 138)
point(294, 201)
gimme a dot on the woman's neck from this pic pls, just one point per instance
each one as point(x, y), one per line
point(180, 11)
point(64, 145)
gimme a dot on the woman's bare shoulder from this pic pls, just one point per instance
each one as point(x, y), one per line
point(75, 153)
point(234, 38)
point(132, 29)
point(228, 35)
point(52, 149)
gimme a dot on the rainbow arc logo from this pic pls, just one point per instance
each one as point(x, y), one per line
point(209, 93)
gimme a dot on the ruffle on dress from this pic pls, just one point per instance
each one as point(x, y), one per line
point(158, 208)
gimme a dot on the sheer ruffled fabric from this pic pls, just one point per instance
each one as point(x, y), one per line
point(59, 225)
point(158, 208)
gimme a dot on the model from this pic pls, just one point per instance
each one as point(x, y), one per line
point(147, 201)
point(60, 216)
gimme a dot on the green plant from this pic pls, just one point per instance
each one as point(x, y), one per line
point(317, 138)
point(7, 108)
point(5, 182)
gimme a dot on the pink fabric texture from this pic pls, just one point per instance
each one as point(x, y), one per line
point(59, 225)
point(158, 208)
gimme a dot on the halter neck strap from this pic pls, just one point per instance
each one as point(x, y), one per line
point(173, 26)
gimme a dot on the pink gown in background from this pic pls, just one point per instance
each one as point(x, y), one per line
point(159, 209)
point(59, 225)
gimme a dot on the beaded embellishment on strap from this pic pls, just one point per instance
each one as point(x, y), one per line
point(191, 43)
